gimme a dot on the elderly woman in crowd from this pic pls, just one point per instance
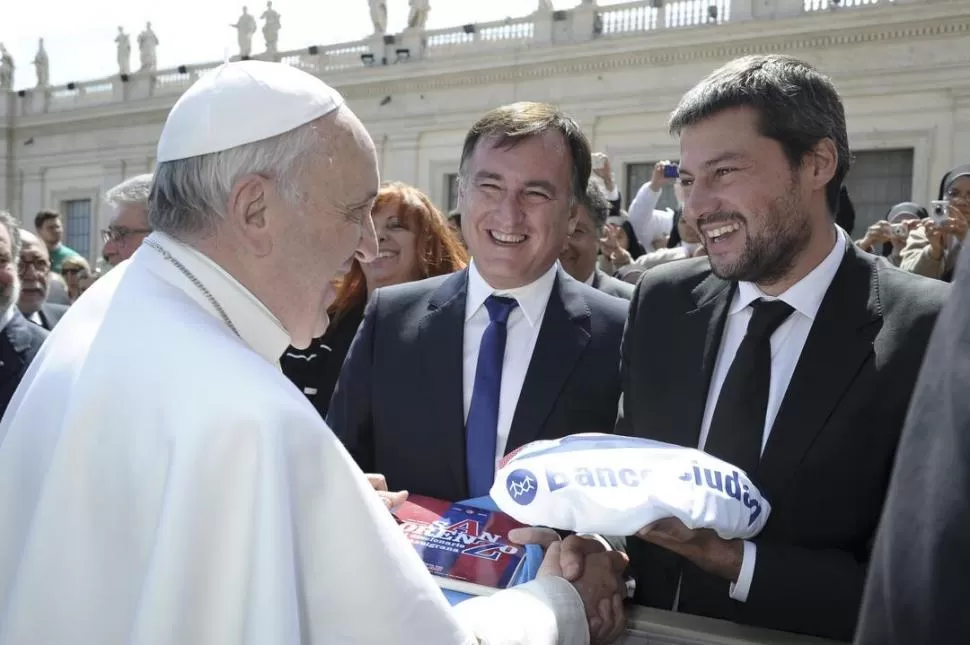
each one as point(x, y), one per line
point(74, 269)
point(415, 243)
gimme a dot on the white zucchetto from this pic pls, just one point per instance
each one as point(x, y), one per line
point(240, 103)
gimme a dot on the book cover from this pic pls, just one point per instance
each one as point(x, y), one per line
point(464, 547)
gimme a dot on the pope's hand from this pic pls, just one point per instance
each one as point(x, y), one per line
point(391, 500)
point(595, 573)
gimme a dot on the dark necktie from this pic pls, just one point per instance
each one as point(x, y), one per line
point(738, 425)
point(482, 426)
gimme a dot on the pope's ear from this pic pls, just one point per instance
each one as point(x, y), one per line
point(246, 211)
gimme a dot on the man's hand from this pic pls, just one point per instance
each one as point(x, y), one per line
point(606, 172)
point(703, 547)
point(657, 179)
point(597, 574)
point(391, 500)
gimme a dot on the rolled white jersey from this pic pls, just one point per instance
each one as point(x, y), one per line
point(614, 485)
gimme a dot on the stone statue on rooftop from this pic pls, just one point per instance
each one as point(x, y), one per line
point(378, 16)
point(6, 69)
point(43, 66)
point(545, 5)
point(418, 16)
point(271, 28)
point(147, 44)
point(123, 42)
point(245, 28)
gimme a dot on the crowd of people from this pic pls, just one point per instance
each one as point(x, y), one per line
point(310, 325)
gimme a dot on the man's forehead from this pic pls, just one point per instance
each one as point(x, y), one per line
point(131, 215)
point(33, 248)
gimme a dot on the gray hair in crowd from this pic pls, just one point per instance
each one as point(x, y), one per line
point(189, 196)
point(134, 190)
point(13, 230)
point(597, 205)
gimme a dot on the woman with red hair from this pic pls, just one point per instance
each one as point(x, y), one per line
point(414, 242)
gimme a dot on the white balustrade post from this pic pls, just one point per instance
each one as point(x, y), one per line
point(584, 21)
point(542, 27)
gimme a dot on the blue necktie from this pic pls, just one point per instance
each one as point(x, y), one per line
point(482, 426)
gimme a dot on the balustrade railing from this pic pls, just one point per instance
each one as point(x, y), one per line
point(541, 28)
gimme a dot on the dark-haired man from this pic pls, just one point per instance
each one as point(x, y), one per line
point(792, 355)
point(49, 228)
point(579, 256)
point(449, 374)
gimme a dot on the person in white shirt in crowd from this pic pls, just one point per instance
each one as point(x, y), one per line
point(196, 496)
point(688, 246)
point(653, 226)
point(129, 224)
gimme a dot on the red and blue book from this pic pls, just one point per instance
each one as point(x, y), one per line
point(466, 548)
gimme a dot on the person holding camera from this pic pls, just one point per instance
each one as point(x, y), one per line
point(887, 237)
point(932, 249)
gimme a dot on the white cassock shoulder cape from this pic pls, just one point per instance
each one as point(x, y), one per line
point(163, 483)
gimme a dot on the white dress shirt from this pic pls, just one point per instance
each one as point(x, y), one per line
point(523, 331)
point(805, 297)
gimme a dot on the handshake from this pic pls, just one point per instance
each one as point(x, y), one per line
point(595, 572)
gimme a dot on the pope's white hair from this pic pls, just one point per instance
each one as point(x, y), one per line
point(134, 190)
point(189, 196)
point(13, 230)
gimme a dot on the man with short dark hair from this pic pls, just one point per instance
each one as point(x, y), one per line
point(579, 256)
point(511, 349)
point(790, 354)
point(48, 225)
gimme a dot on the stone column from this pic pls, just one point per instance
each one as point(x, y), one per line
point(543, 27)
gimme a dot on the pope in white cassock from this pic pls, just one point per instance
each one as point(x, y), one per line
point(183, 491)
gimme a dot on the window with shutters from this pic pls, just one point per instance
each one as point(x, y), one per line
point(77, 225)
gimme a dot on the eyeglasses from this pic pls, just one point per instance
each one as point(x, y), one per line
point(118, 234)
point(40, 266)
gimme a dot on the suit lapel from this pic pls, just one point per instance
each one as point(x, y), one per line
point(14, 342)
point(838, 345)
point(563, 336)
point(441, 336)
point(692, 363)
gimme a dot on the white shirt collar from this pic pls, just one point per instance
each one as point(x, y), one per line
point(805, 296)
point(591, 279)
point(257, 325)
point(532, 298)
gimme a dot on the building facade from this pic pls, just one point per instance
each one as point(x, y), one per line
point(903, 69)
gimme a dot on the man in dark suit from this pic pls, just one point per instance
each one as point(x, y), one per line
point(579, 256)
point(918, 584)
point(35, 279)
point(19, 339)
point(788, 353)
point(425, 396)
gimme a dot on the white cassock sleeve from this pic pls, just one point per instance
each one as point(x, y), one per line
point(187, 526)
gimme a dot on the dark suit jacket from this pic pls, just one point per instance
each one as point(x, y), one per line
point(51, 314)
point(398, 405)
point(828, 458)
point(318, 367)
point(19, 342)
point(611, 286)
point(918, 579)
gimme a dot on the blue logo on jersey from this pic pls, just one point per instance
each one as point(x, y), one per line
point(522, 486)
